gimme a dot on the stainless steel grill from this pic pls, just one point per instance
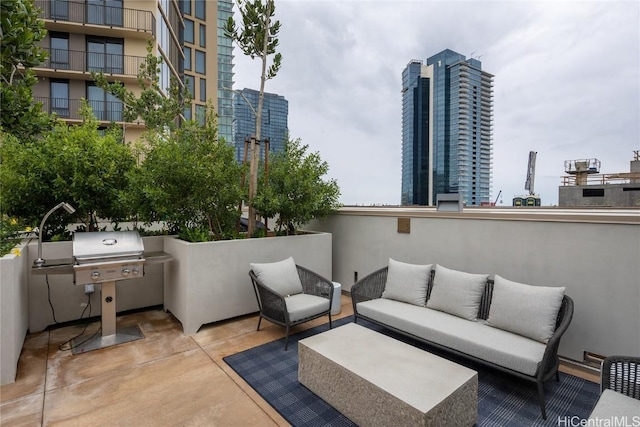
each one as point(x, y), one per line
point(107, 257)
point(100, 257)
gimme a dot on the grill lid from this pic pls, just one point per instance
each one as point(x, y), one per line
point(107, 245)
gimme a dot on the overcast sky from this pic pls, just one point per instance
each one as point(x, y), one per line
point(567, 83)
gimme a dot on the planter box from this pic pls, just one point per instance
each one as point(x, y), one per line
point(68, 299)
point(14, 310)
point(209, 281)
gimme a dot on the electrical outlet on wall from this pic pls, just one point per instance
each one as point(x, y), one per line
point(89, 288)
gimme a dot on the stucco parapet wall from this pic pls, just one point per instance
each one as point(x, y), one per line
point(577, 215)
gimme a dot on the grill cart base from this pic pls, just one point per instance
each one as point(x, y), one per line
point(124, 334)
point(111, 335)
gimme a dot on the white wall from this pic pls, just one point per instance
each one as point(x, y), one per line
point(596, 257)
point(14, 318)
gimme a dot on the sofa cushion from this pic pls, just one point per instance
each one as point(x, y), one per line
point(407, 282)
point(301, 306)
point(476, 339)
point(612, 404)
point(456, 292)
point(281, 276)
point(530, 311)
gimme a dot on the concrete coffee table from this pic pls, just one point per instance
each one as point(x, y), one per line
point(375, 380)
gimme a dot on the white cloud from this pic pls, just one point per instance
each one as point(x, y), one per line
point(566, 83)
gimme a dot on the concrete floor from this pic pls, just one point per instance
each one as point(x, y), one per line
point(165, 379)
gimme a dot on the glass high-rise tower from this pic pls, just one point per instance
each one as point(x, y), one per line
point(447, 114)
point(275, 112)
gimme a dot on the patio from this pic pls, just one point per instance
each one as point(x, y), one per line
point(168, 378)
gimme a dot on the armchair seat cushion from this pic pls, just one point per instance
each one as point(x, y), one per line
point(613, 404)
point(301, 306)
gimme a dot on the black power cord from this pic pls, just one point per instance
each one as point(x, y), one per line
point(66, 346)
point(62, 347)
point(53, 311)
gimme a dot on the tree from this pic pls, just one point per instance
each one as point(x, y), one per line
point(296, 192)
point(74, 164)
point(257, 38)
point(20, 31)
point(190, 178)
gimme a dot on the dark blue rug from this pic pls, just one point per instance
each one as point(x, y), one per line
point(503, 400)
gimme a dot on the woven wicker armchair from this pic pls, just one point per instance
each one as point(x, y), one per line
point(291, 310)
point(621, 374)
point(620, 386)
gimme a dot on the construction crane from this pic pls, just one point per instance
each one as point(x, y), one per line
point(531, 173)
point(531, 199)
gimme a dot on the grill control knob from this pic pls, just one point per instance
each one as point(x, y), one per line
point(125, 272)
point(135, 271)
point(95, 275)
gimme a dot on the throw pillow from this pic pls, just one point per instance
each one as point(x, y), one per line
point(282, 276)
point(526, 310)
point(456, 292)
point(407, 282)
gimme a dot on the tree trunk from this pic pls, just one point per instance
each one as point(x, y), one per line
point(255, 151)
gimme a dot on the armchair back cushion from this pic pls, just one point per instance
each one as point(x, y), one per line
point(407, 282)
point(456, 292)
point(530, 311)
point(281, 276)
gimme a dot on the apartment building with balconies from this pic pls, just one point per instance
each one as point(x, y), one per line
point(111, 36)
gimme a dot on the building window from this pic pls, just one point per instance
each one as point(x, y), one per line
point(593, 192)
point(203, 35)
point(105, 54)
point(201, 11)
point(188, 31)
point(60, 10)
point(105, 106)
point(105, 12)
point(201, 114)
point(187, 113)
point(59, 54)
point(60, 97)
point(203, 90)
point(190, 85)
point(186, 6)
point(200, 62)
point(187, 58)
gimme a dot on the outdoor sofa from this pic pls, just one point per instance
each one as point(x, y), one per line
point(510, 326)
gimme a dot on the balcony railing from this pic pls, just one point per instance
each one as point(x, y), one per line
point(108, 63)
point(97, 14)
point(65, 108)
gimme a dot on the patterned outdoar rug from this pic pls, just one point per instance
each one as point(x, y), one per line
point(503, 400)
